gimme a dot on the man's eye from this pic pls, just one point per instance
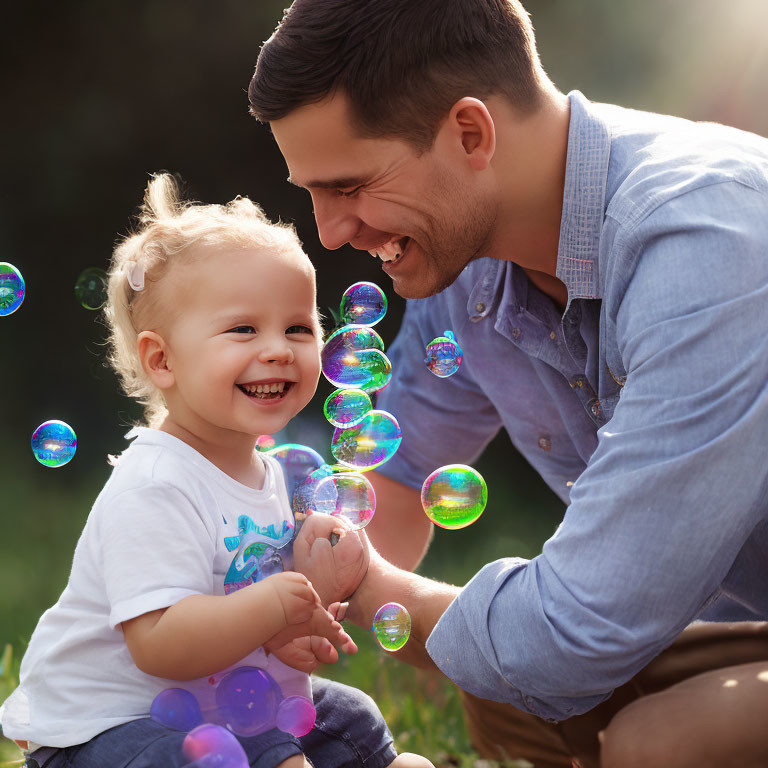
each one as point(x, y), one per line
point(348, 193)
point(242, 329)
point(299, 329)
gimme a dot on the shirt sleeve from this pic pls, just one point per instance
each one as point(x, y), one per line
point(155, 549)
point(443, 421)
point(675, 487)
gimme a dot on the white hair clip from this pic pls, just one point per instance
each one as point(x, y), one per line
point(135, 274)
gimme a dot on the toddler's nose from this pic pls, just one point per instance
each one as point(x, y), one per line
point(276, 352)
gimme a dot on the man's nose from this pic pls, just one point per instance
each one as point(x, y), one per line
point(335, 226)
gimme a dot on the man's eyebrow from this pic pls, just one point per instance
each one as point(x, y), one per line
point(343, 182)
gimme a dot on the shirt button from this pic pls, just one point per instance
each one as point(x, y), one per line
point(479, 307)
point(552, 335)
point(569, 483)
point(545, 444)
point(515, 333)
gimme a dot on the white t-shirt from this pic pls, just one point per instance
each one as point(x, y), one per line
point(167, 524)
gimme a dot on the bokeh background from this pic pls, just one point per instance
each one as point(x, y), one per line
point(98, 95)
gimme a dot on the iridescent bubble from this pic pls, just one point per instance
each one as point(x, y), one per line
point(265, 443)
point(444, 355)
point(247, 698)
point(353, 357)
point(211, 746)
point(54, 443)
point(176, 708)
point(369, 443)
point(304, 495)
point(91, 288)
point(454, 496)
point(346, 495)
point(363, 304)
point(296, 715)
point(268, 564)
point(392, 626)
point(12, 289)
point(297, 462)
point(345, 407)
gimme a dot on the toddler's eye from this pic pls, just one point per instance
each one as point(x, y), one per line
point(242, 329)
point(299, 329)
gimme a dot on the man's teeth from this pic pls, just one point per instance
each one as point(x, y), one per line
point(263, 389)
point(388, 252)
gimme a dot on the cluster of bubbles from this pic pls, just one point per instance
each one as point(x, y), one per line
point(248, 701)
point(54, 443)
point(444, 355)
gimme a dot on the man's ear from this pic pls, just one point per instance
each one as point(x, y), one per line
point(471, 123)
point(153, 353)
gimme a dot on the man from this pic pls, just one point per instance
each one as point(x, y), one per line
point(606, 274)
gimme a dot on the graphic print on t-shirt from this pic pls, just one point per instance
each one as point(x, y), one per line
point(257, 556)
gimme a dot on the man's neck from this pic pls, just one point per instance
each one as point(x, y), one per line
point(530, 163)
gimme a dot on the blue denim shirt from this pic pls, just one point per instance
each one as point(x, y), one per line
point(644, 406)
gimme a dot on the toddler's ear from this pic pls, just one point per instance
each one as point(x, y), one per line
point(153, 353)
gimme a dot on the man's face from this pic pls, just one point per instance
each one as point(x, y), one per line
point(420, 214)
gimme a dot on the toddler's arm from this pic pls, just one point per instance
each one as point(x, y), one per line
point(203, 634)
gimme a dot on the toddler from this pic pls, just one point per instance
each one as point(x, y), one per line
point(214, 328)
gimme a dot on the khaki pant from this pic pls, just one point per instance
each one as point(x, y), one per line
point(702, 702)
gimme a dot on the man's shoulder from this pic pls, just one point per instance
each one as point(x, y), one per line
point(655, 158)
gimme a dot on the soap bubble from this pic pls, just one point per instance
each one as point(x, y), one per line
point(347, 495)
point(304, 495)
point(363, 304)
point(369, 443)
point(176, 708)
point(392, 626)
point(265, 442)
point(297, 462)
point(454, 496)
point(345, 407)
point(353, 357)
point(54, 443)
point(211, 746)
point(444, 355)
point(12, 289)
point(268, 564)
point(247, 699)
point(91, 288)
point(296, 715)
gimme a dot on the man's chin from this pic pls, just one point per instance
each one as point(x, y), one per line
point(410, 288)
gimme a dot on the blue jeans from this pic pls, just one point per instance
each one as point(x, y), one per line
point(350, 732)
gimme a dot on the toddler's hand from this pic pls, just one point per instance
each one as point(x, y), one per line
point(304, 613)
point(306, 653)
point(335, 571)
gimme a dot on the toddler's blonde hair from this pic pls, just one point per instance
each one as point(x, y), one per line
point(168, 227)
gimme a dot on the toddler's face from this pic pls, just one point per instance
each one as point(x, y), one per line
point(244, 340)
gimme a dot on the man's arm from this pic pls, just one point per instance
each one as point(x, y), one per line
point(399, 531)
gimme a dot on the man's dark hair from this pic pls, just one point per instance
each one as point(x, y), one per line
point(402, 63)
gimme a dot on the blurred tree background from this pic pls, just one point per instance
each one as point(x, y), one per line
point(98, 95)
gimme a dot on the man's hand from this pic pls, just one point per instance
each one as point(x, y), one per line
point(304, 613)
point(335, 571)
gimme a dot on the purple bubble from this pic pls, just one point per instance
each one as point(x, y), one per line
point(211, 746)
point(248, 698)
point(296, 715)
point(176, 708)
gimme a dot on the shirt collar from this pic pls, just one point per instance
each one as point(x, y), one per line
point(586, 171)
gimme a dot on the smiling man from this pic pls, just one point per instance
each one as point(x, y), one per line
point(606, 274)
